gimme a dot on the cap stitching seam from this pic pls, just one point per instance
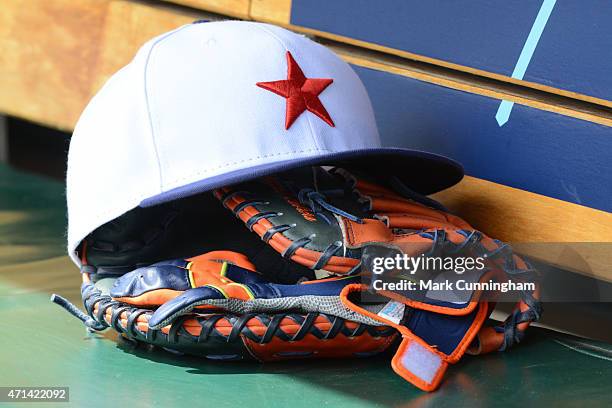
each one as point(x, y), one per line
point(148, 103)
point(247, 160)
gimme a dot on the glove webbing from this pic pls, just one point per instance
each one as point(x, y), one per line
point(511, 329)
point(529, 308)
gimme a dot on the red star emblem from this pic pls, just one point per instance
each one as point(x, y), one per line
point(302, 93)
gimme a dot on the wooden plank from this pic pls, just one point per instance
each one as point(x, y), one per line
point(538, 151)
point(271, 11)
point(480, 86)
point(482, 35)
point(550, 230)
point(521, 216)
point(234, 8)
point(48, 75)
point(46, 72)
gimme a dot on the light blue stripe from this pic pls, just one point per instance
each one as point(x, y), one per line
point(503, 112)
point(505, 107)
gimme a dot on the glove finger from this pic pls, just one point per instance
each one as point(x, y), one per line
point(156, 284)
point(209, 272)
point(184, 304)
point(230, 257)
point(152, 285)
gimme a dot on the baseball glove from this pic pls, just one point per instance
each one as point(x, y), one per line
point(324, 223)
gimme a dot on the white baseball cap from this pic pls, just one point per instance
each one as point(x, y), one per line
point(212, 104)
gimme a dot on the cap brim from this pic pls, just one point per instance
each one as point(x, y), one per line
point(423, 172)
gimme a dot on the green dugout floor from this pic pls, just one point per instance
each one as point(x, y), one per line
point(42, 345)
